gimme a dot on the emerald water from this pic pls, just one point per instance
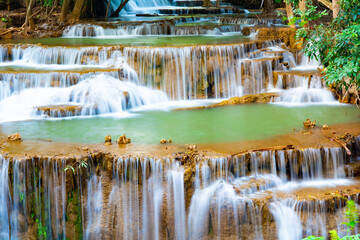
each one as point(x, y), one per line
point(217, 125)
point(130, 75)
point(135, 40)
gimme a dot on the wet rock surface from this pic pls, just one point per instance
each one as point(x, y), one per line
point(60, 110)
point(101, 183)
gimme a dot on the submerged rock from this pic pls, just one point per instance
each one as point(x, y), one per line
point(16, 137)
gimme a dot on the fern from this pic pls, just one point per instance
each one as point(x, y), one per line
point(333, 235)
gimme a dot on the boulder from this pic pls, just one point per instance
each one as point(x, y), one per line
point(309, 124)
point(16, 137)
point(108, 140)
point(164, 141)
point(123, 140)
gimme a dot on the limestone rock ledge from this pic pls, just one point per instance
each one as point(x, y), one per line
point(60, 110)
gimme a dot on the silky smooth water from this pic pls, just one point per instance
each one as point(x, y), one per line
point(217, 125)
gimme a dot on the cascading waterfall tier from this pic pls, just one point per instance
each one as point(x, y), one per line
point(194, 72)
point(12, 82)
point(124, 30)
point(256, 195)
point(139, 6)
point(98, 94)
point(198, 72)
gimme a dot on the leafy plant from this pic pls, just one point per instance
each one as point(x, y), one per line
point(333, 235)
point(48, 3)
point(82, 164)
point(337, 45)
point(314, 238)
point(42, 230)
point(352, 216)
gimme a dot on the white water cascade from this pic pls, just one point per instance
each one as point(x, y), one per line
point(249, 196)
point(103, 80)
point(99, 94)
point(139, 6)
point(129, 30)
point(288, 223)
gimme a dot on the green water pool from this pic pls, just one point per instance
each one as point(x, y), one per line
point(153, 40)
point(217, 125)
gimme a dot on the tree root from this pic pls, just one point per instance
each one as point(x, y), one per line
point(348, 152)
point(265, 149)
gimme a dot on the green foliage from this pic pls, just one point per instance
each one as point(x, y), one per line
point(337, 45)
point(309, 15)
point(42, 230)
point(352, 216)
point(69, 167)
point(6, 19)
point(82, 164)
point(333, 235)
point(48, 3)
point(314, 238)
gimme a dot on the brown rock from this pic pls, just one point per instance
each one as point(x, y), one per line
point(123, 140)
point(309, 124)
point(108, 140)
point(60, 110)
point(252, 98)
point(16, 137)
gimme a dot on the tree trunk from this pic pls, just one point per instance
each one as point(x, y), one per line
point(336, 8)
point(107, 10)
point(207, 3)
point(29, 21)
point(64, 11)
point(269, 6)
point(217, 3)
point(76, 13)
point(302, 6)
point(118, 10)
point(289, 12)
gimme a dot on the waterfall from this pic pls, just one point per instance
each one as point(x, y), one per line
point(15, 83)
point(138, 6)
point(304, 89)
point(123, 30)
point(177, 202)
point(90, 81)
point(215, 68)
point(254, 195)
point(48, 192)
point(60, 57)
point(88, 30)
point(288, 223)
point(4, 200)
point(99, 94)
point(93, 208)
